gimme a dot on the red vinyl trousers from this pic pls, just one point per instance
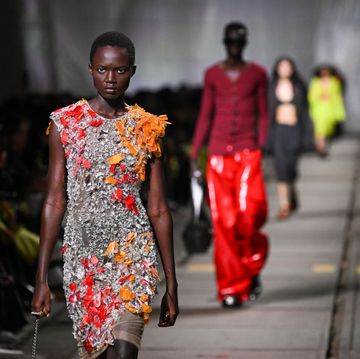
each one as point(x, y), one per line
point(238, 208)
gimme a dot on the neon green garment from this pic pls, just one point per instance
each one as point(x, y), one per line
point(326, 106)
point(27, 244)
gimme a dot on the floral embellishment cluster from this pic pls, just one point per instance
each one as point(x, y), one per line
point(97, 303)
point(134, 291)
point(131, 290)
point(139, 132)
point(73, 133)
point(146, 131)
point(115, 164)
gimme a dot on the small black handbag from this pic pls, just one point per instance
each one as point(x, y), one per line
point(197, 233)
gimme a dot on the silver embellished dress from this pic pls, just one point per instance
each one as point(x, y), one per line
point(109, 250)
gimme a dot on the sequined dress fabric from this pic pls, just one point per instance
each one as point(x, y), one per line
point(108, 249)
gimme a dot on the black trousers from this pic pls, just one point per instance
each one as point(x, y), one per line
point(286, 152)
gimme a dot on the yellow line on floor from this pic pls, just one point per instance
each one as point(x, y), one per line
point(201, 267)
point(323, 268)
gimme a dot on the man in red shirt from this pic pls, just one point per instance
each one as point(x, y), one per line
point(233, 120)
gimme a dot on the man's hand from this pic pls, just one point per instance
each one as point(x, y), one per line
point(196, 171)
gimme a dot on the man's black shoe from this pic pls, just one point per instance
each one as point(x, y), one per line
point(231, 301)
point(256, 288)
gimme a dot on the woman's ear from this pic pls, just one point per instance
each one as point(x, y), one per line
point(133, 70)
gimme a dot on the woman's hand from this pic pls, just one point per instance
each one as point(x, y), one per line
point(169, 309)
point(41, 302)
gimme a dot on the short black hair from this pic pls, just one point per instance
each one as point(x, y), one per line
point(236, 26)
point(113, 38)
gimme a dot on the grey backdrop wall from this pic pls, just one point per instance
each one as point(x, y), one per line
point(176, 39)
point(12, 56)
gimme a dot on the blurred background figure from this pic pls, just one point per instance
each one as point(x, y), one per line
point(234, 117)
point(22, 178)
point(290, 130)
point(18, 245)
point(327, 108)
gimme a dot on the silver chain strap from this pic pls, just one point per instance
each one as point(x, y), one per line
point(34, 343)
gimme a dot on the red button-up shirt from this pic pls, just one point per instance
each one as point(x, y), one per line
point(233, 114)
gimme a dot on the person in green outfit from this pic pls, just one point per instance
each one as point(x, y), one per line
point(326, 106)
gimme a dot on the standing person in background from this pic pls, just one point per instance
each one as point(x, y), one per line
point(234, 118)
point(326, 106)
point(290, 130)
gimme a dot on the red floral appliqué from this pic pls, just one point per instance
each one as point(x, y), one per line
point(130, 204)
point(97, 304)
point(63, 249)
point(117, 195)
point(64, 121)
point(65, 137)
point(86, 164)
point(77, 113)
point(81, 133)
point(92, 113)
point(96, 122)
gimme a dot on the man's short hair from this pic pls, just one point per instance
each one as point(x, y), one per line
point(238, 27)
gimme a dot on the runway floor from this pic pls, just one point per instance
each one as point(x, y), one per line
point(310, 307)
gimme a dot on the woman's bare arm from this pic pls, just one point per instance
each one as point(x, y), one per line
point(160, 217)
point(51, 218)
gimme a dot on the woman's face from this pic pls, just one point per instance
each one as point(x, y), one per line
point(285, 69)
point(324, 72)
point(111, 70)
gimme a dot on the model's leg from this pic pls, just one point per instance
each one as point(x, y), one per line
point(227, 249)
point(252, 215)
point(127, 334)
point(321, 146)
point(292, 173)
point(283, 190)
point(294, 200)
point(103, 355)
point(321, 132)
point(122, 350)
point(282, 167)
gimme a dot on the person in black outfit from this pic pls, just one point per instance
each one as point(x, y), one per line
point(290, 130)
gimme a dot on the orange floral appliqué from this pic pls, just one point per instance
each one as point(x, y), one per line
point(111, 249)
point(115, 159)
point(120, 257)
point(130, 237)
point(147, 130)
point(155, 273)
point(144, 298)
point(111, 180)
point(47, 132)
point(126, 294)
point(146, 308)
point(130, 308)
